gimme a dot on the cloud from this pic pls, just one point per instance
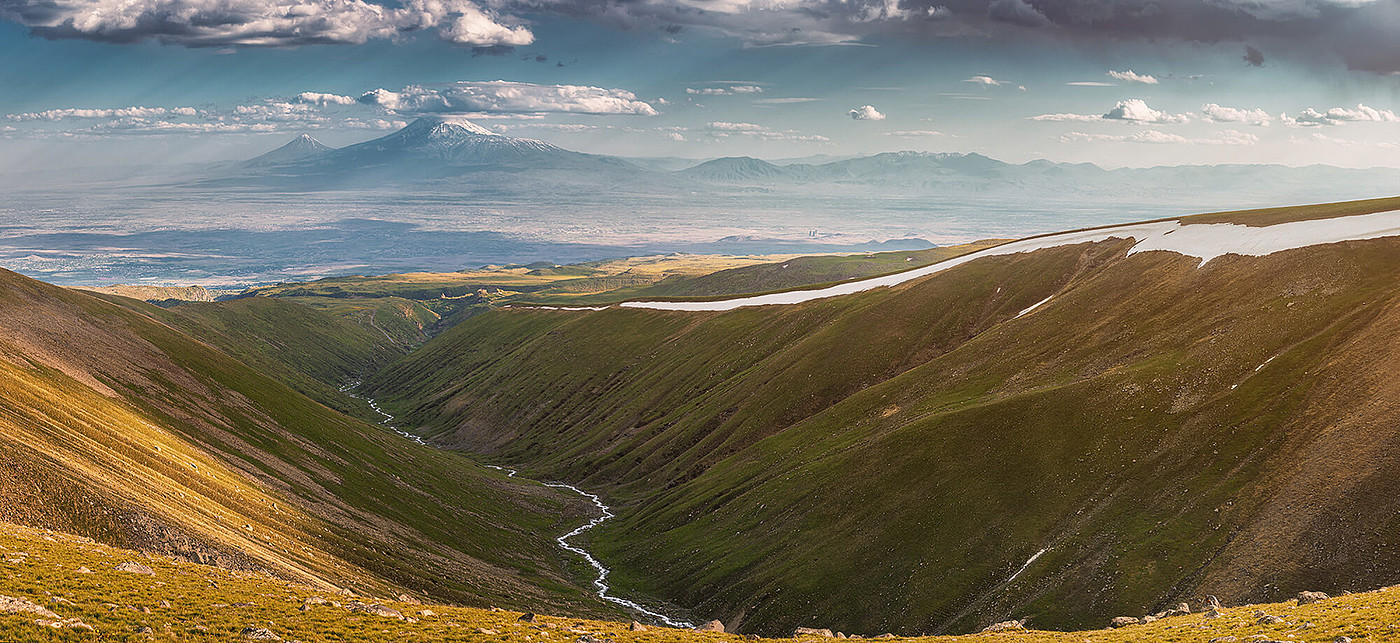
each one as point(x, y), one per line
point(675, 136)
point(1253, 56)
point(1338, 115)
point(719, 130)
point(986, 81)
point(1131, 77)
point(725, 91)
point(1227, 137)
point(120, 112)
point(1133, 110)
point(264, 23)
point(1073, 118)
point(273, 115)
point(786, 101)
point(918, 133)
point(1016, 12)
point(1217, 114)
point(502, 96)
point(1137, 111)
point(316, 98)
point(866, 113)
point(1090, 83)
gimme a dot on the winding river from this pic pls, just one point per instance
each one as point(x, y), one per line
point(601, 581)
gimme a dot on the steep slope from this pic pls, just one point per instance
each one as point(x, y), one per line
point(313, 351)
point(1067, 434)
point(123, 428)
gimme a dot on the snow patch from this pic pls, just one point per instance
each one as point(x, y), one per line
point(1034, 306)
point(1028, 564)
point(1205, 241)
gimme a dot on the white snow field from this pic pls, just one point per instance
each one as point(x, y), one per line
point(1205, 241)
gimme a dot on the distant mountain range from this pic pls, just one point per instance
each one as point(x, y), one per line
point(429, 148)
point(446, 149)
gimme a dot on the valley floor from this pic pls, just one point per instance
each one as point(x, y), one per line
point(58, 587)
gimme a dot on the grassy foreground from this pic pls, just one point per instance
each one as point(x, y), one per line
point(86, 597)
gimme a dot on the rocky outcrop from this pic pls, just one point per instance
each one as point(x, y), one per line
point(712, 626)
point(17, 605)
point(810, 631)
point(136, 568)
point(1311, 597)
point(1006, 626)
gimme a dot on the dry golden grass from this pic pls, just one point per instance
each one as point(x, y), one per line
point(183, 601)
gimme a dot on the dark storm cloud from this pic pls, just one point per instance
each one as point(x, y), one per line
point(264, 23)
point(1253, 56)
point(1363, 34)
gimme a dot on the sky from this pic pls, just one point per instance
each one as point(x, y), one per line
point(1112, 82)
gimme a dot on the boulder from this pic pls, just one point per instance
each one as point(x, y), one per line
point(711, 626)
point(259, 634)
point(1184, 608)
point(636, 627)
point(1214, 613)
point(375, 609)
point(1342, 639)
point(1006, 626)
point(1311, 597)
point(17, 605)
point(405, 598)
point(1123, 621)
point(809, 631)
point(1270, 620)
point(136, 568)
point(1224, 639)
point(528, 617)
point(1211, 602)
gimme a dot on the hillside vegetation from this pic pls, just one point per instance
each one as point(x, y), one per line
point(927, 458)
point(117, 425)
point(59, 587)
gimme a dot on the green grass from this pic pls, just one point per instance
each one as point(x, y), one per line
point(887, 460)
point(187, 445)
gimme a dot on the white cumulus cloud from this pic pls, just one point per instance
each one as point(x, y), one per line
point(1136, 110)
point(1338, 115)
point(317, 98)
point(866, 113)
point(501, 96)
point(1133, 110)
point(1217, 114)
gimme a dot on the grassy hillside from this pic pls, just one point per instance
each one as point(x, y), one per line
point(119, 426)
point(314, 351)
point(187, 602)
point(892, 459)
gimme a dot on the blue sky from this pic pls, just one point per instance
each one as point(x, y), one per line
point(1012, 79)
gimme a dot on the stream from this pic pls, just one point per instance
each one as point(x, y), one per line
point(601, 581)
